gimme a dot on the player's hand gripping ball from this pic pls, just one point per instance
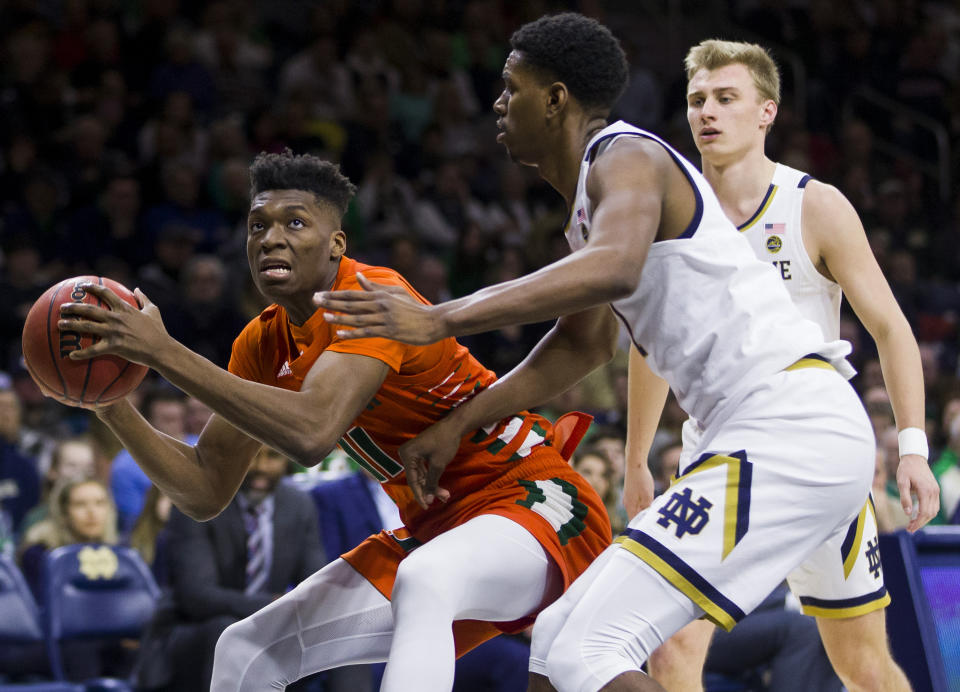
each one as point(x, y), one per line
point(47, 350)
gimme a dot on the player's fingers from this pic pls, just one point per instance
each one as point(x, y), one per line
point(929, 499)
point(142, 298)
point(351, 320)
point(84, 311)
point(82, 326)
point(414, 470)
point(363, 333)
point(905, 487)
point(337, 300)
point(104, 294)
point(98, 349)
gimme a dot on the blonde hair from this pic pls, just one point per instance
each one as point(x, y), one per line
point(714, 53)
point(54, 531)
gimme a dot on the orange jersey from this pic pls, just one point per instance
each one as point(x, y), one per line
point(423, 385)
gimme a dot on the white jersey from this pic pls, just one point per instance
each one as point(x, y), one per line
point(774, 232)
point(710, 317)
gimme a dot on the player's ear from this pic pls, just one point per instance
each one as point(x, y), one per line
point(768, 113)
point(557, 97)
point(338, 244)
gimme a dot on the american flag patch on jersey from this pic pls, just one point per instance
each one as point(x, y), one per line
point(774, 228)
point(581, 215)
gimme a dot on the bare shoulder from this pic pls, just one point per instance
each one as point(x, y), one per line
point(628, 161)
point(826, 206)
point(833, 232)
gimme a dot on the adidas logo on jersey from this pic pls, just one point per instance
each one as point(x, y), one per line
point(285, 370)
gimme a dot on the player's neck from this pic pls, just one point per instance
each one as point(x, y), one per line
point(561, 165)
point(740, 183)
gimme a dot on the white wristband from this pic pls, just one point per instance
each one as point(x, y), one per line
point(913, 441)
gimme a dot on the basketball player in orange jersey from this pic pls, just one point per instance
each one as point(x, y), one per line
point(514, 527)
point(814, 238)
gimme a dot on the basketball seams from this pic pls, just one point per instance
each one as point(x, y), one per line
point(99, 380)
point(53, 358)
point(100, 399)
point(86, 378)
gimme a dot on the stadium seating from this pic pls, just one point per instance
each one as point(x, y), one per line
point(95, 592)
point(20, 624)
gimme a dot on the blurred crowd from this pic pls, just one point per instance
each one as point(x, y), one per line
point(126, 129)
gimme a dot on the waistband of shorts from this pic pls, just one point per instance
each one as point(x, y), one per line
point(811, 360)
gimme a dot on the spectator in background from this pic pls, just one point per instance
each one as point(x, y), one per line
point(593, 463)
point(73, 459)
point(147, 536)
point(40, 215)
point(181, 71)
point(165, 410)
point(265, 542)
point(21, 282)
point(81, 511)
point(666, 463)
point(111, 227)
point(19, 477)
point(235, 63)
point(946, 470)
point(183, 206)
point(198, 413)
point(160, 278)
point(204, 317)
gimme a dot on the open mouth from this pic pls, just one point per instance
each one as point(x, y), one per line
point(709, 133)
point(275, 268)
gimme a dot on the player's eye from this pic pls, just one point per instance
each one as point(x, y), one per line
point(297, 223)
point(256, 226)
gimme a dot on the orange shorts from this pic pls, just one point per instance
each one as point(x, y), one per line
point(516, 496)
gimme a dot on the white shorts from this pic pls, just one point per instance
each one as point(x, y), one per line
point(777, 488)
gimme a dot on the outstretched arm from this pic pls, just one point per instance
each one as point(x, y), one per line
point(831, 222)
point(627, 187)
point(575, 346)
point(647, 394)
point(304, 424)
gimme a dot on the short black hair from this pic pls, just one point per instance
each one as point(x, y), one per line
point(287, 171)
point(578, 51)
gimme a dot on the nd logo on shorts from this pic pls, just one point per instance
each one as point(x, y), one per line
point(687, 513)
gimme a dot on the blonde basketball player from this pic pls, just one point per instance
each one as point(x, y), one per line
point(813, 237)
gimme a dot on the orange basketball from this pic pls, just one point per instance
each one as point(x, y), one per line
point(46, 349)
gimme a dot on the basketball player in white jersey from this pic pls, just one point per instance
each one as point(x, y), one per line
point(811, 234)
point(784, 461)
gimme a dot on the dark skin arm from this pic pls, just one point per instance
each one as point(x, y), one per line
point(628, 186)
point(575, 346)
point(579, 342)
point(201, 480)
